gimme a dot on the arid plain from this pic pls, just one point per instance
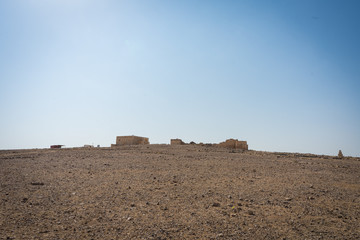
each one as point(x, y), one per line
point(177, 192)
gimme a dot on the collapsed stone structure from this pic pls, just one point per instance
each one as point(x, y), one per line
point(130, 140)
point(56, 146)
point(229, 143)
point(136, 140)
point(176, 141)
point(234, 143)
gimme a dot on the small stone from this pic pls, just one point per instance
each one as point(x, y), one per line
point(129, 219)
point(288, 199)
point(37, 183)
point(250, 212)
point(215, 204)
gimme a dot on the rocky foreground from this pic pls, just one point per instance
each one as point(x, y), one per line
point(177, 192)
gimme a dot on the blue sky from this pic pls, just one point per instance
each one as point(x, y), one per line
point(283, 75)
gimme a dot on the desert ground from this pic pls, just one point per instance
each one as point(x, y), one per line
point(177, 192)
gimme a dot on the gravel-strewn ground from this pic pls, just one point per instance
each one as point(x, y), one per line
point(177, 192)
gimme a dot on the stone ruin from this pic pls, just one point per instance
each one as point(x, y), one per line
point(136, 140)
point(56, 146)
point(235, 144)
point(176, 141)
point(229, 143)
point(130, 140)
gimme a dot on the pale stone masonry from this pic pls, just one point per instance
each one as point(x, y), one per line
point(230, 143)
point(234, 143)
point(176, 141)
point(130, 140)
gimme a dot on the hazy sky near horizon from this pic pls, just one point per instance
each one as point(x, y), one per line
point(283, 75)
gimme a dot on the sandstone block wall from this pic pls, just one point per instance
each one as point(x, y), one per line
point(130, 140)
point(234, 143)
point(176, 142)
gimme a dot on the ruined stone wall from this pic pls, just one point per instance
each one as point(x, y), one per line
point(131, 140)
point(176, 142)
point(241, 145)
point(234, 143)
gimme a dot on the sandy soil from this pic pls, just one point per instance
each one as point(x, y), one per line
point(177, 192)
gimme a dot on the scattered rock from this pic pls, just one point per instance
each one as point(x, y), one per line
point(216, 204)
point(286, 195)
point(250, 212)
point(37, 183)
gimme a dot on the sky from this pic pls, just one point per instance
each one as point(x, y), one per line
point(282, 75)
